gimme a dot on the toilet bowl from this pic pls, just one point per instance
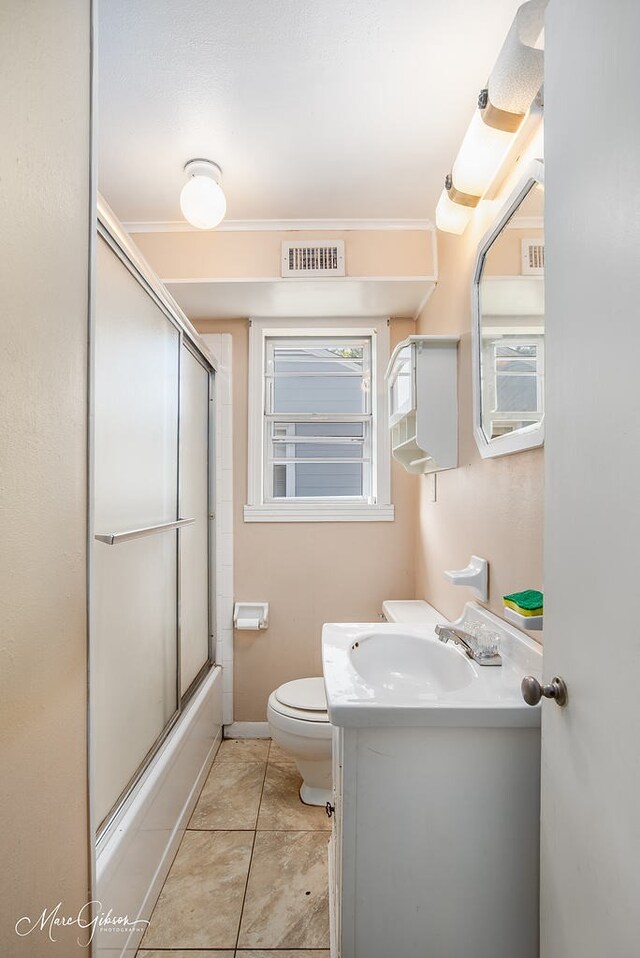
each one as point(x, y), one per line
point(299, 724)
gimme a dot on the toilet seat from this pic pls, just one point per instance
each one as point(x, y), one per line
point(304, 699)
point(301, 715)
point(306, 694)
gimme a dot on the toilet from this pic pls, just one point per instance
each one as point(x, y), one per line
point(299, 724)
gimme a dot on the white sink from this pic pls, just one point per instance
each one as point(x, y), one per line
point(384, 674)
point(405, 663)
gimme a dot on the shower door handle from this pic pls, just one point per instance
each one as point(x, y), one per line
point(114, 538)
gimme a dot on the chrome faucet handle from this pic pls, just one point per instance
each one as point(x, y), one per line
point(447, 632)
point(468, 643)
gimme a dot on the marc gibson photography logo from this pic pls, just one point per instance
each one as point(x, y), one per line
point(90, 917)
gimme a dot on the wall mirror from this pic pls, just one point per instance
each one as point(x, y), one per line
point(508, 324)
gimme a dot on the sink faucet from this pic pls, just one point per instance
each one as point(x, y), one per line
point(467, 643)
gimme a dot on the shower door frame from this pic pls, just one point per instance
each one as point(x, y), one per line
point(110, 230)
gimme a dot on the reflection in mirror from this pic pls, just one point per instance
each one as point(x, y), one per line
point(511, 321)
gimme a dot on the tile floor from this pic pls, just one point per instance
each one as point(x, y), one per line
point(250, 877)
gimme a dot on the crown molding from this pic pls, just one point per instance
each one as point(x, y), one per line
point(526, 223)
point(291, 280)
point(283, 226)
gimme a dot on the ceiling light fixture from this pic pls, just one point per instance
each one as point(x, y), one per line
point(202, 200)
point(514, 83)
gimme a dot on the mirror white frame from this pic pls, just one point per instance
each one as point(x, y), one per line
point(528, 437)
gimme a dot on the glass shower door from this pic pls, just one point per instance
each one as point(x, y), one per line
point(134, 670)
point(195, 624)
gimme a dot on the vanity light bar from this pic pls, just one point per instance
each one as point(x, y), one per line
point(495, 117)
point(457, 196)
point(501, 110)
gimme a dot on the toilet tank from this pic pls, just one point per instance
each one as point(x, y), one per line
point(411, 612)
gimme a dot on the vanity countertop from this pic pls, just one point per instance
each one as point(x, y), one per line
point(399, 674)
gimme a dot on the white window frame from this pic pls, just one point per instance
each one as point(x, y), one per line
point(378, 507)
point(531, 337)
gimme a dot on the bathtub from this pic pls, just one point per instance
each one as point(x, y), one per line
point(135, 853)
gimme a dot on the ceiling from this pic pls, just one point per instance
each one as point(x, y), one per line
point(342, 109)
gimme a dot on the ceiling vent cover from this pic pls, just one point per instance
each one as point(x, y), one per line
point(532, 256)
point(315, 258)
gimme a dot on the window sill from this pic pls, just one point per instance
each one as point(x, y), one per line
point(313, 512)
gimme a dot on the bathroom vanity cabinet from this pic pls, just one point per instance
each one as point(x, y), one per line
point(434, 850)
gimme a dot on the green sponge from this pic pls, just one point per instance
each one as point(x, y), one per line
point(528, 603)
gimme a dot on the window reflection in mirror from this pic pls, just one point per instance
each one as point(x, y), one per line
point(511, 294)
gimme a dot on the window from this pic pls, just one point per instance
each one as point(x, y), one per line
point(318, 445)
point(318, 418)
point(518, 384)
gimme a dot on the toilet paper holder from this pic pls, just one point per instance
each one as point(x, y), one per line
point(250, 616)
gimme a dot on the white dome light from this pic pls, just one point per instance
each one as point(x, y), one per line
point(202, 200)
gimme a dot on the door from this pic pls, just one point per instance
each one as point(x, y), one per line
point(151, 561)
point(134, 632)
point(590, 841)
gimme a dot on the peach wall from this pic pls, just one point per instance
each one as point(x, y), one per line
point(45, 232)
point(504, 257)
point(256, 254)
point(310, 573)
point(491, 507)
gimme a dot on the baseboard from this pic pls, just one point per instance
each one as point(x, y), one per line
point(247, 730)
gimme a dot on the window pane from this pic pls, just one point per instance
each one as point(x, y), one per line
point(318, 378)
point(517, 349)
point(517, 393)
point(306, 378)
point(320, 394)
point(279, 481)
point(317, 480)
point(329, 359)
point(517, 365)
point(317, 450)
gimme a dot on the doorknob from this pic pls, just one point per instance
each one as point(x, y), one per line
point(532, 691)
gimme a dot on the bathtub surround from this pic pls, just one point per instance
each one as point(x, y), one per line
point(221, 347)
point(133, 858)
point(45, 236)
point(141, 835)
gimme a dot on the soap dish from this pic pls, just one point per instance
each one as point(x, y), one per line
point(532, 623)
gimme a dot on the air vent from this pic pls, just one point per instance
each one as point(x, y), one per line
point(532, 256)
point(324, 258)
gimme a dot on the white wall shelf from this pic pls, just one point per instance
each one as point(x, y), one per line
point(422, 379)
